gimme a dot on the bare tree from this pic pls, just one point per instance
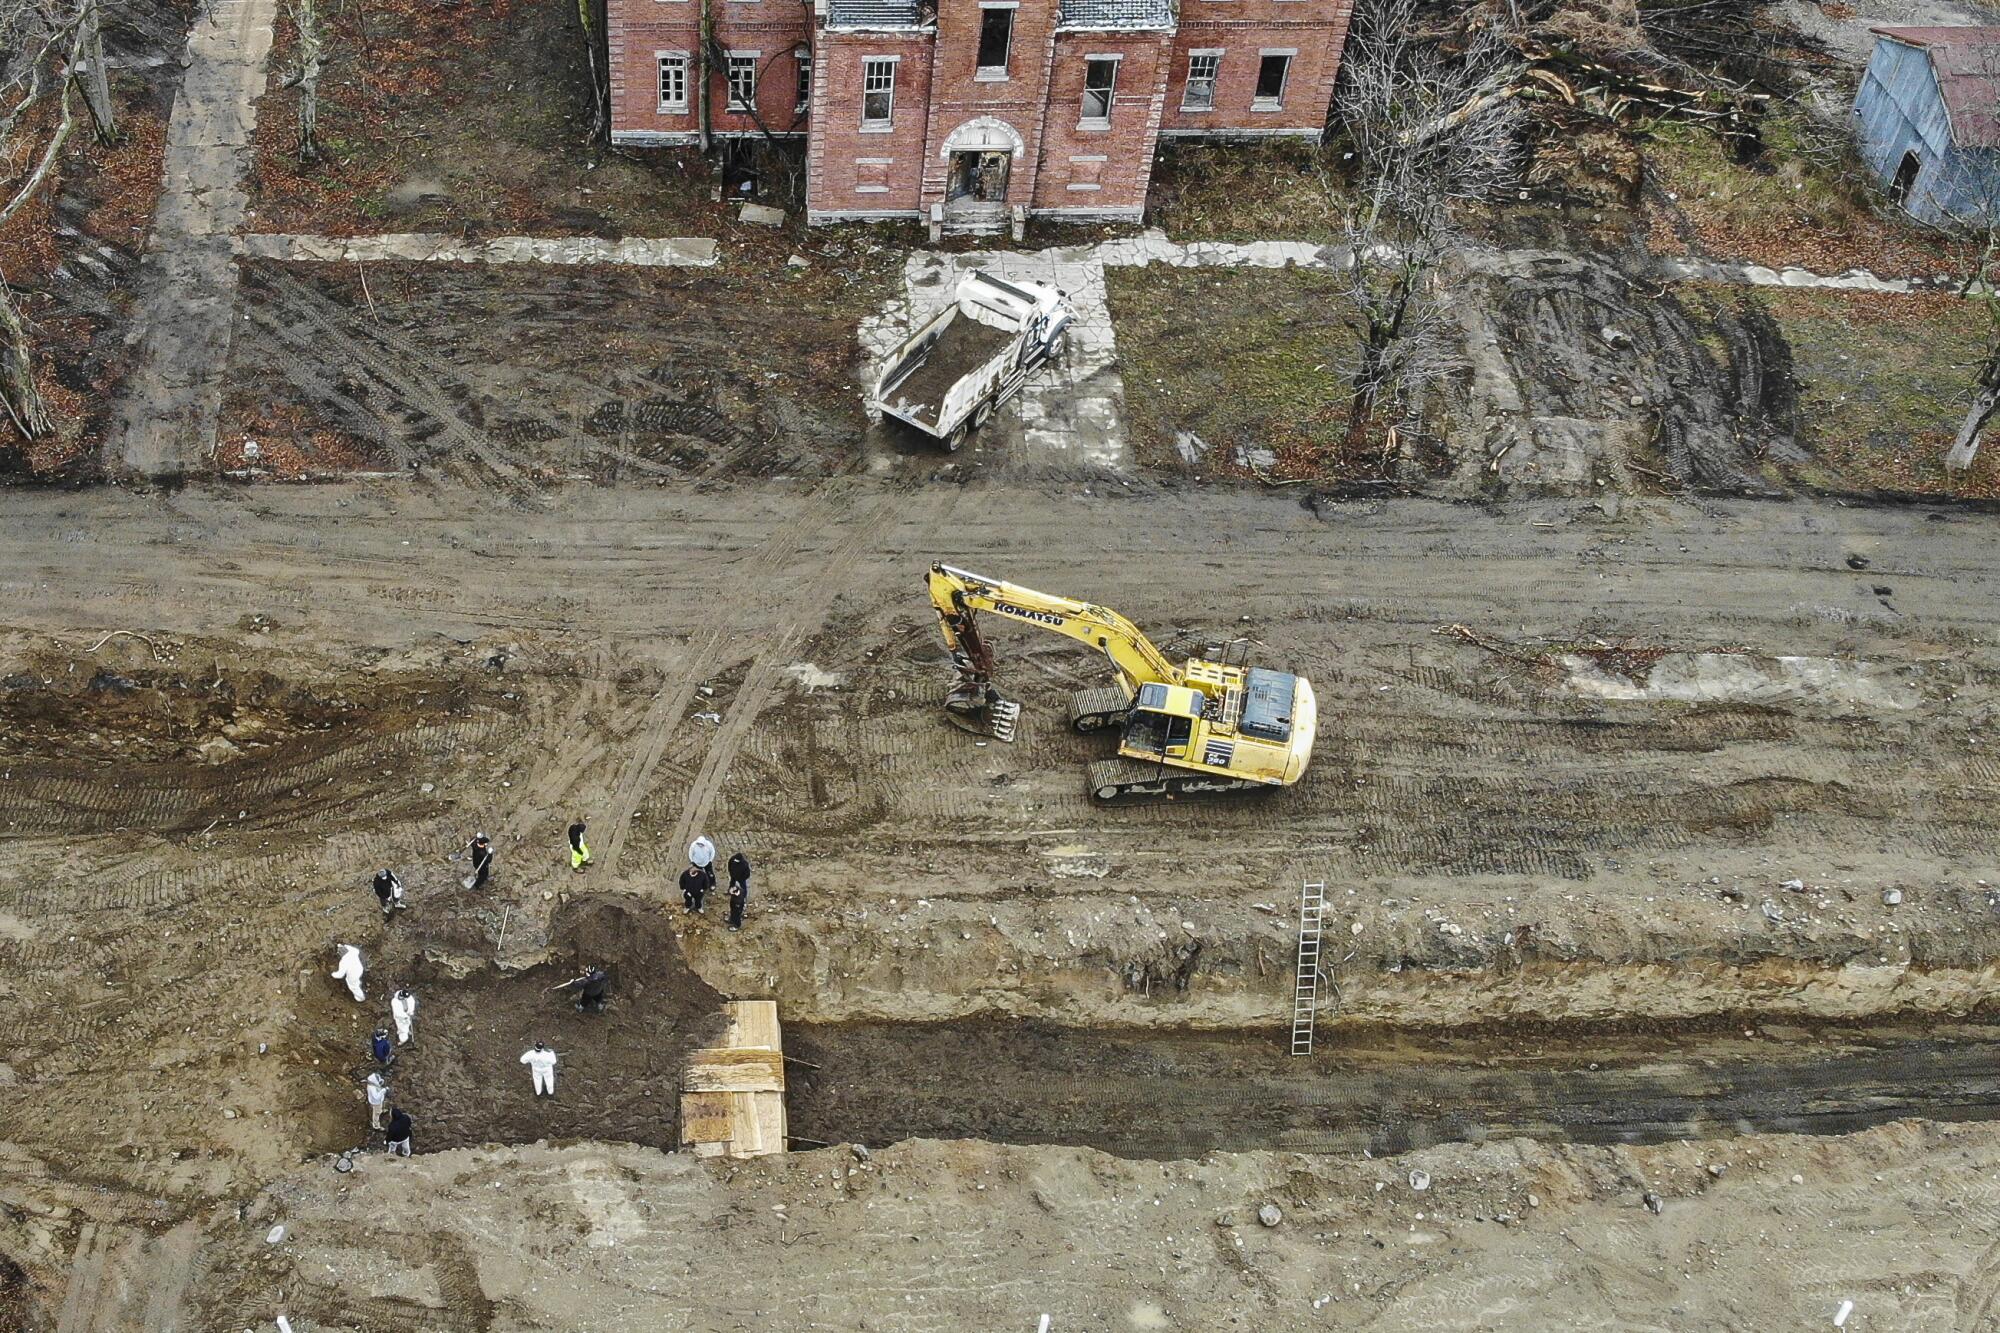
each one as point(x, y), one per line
point(1979, 285)
point(304, 75)
point(1427, 129)
point(42, 43)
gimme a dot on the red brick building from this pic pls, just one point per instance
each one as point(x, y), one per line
point(971, 113)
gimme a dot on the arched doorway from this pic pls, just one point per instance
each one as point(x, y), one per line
point(979, 165)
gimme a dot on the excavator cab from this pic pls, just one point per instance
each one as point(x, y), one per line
point(1161, 723)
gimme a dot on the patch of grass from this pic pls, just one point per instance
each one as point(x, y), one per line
point(1883, 384)
point(1243, 192)
point(1246, 359)
point(453, 118)
point(1805, 200)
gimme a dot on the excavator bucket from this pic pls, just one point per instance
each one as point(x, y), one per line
point(975, 706)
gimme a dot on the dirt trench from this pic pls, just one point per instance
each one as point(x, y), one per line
point(461, 1078)
point(1167, 1094)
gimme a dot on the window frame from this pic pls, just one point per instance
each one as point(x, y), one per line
point(805, 91)
point(1258, 101)
point(662, 61)
point(870, 66)
point(1086, 121)
point(1000, 73)
point(1213, 79)
point(734, 61)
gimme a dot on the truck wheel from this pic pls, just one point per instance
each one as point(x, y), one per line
point(1060, 347)
point(983, 415)
point(955, 439)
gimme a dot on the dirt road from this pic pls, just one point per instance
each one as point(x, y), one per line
point(1522, 824)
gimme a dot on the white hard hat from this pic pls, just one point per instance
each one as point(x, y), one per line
point(701, 851)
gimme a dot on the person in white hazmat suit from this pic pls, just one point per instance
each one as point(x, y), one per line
point(403, 1008)
point(348, 969)
point(541, 1062)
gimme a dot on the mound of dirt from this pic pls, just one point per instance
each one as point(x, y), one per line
point(618, 1076)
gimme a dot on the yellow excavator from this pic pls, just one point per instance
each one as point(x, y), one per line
point(1200, 727)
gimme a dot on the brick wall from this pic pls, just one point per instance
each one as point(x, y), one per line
point(959, 95)
point(639, 30)
point(1064, 166)
point(1242, 30)
point(851, 171)
point(1093, 169)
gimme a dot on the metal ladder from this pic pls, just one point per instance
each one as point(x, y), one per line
point(1305, 992)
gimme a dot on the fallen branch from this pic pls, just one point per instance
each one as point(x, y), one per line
point(158, 653)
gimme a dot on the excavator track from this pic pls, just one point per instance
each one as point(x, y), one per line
point(1124, 781)
point(1102, 709)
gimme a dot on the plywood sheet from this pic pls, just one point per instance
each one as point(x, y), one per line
point(724, 1070)
point(746, 1136)
point(705, 1117)
point(753, 1023)
point(771, 1126)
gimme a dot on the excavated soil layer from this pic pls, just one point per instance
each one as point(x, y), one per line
point(618, 1076)
point(1181, 1095)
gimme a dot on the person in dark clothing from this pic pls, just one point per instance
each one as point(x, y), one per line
point(696, 881)
point(481, 848)
point(379, 1047)
point(398, 1132)
point(388, 891)
point(594, 992)
point(579, 853)
point(739, 888)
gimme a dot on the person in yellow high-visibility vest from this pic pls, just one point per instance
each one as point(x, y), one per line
point(579, 853)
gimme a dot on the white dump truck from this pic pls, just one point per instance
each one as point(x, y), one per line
point(951, 374)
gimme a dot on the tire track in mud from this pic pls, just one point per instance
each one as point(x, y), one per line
point(803, 612)
point(430, 388)
point(335, 333)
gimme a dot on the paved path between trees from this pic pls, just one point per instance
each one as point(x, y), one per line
point(164, 421)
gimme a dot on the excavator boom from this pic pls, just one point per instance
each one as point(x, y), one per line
point(1205, 726)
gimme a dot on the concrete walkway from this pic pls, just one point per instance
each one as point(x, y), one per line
point(1070, 415)
point(633, 252)
point(1153, 247)
point(164, 422)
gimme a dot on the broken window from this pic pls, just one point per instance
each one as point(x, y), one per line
point(1203, 66)
point(996, 36)
point(673, 83)
point(1100, 76)
point(805, 80)
point(1906, 177)
point(1272, 74)
point(878, 92)
point(742, 82)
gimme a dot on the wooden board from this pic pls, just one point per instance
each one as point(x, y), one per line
point(726, 1070)
point(753, 1023)
point(772, 1127)
point(733, 1095)
point(705, 1117)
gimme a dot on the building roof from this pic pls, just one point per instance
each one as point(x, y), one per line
point(878, 13)
point(1103, 15)
point(1966, 64)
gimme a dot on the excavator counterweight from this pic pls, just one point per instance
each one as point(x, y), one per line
point(1201, 726)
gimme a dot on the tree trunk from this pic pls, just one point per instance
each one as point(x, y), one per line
point(97, 79)
point(1966, 447)
point(702, 72)
point(600, 87)
point(27, 414)
point(307, 79)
